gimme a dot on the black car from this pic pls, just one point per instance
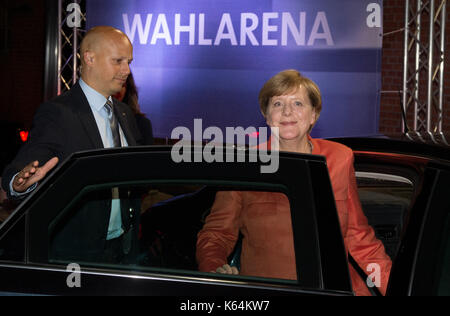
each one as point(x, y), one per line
point(404, 189)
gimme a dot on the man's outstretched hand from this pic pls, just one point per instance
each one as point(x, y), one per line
point(31, 174)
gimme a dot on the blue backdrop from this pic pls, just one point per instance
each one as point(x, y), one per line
point(208, 59)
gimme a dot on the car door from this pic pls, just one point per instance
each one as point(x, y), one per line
point(422, 266)
point(403, 188)
point(168, 202)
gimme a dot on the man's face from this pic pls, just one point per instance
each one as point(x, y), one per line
point(110, 64)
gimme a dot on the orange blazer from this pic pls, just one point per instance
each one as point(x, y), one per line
point(262, 215)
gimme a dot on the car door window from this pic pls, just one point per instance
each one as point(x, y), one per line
point(160, 226)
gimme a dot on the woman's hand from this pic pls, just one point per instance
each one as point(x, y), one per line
point(227, 269)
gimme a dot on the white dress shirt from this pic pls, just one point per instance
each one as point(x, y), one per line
point(97, 103)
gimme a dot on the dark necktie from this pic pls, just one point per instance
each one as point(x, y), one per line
point(115, 190)
point(114, 124)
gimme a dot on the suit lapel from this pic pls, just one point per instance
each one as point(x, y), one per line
point(86, 116)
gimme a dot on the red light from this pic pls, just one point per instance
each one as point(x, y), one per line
point(23, 135)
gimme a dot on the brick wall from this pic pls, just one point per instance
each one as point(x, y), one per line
point(392, 69)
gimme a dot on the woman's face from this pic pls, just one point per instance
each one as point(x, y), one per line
point(293, 114)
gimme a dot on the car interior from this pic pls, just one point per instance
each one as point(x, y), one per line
point(169, 220)
point(172, 215)
point(385, 200)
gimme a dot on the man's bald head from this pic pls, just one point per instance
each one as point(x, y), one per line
point(98, 36)
point(106, 53)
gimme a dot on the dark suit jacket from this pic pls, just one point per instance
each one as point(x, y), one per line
point(66, 125)
point(62, 126)
point(145, 127)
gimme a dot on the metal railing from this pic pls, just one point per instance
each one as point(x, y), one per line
point(71, 20)
point(423, 69)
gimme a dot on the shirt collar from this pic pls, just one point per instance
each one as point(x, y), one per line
point(95, 99)
point(315, 146)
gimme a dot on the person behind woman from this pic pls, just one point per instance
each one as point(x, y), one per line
point(292, 103)
point(129, 96)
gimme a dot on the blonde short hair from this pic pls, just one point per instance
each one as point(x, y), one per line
point(286, 82)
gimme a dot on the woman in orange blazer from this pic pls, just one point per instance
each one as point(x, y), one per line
point(291, 103)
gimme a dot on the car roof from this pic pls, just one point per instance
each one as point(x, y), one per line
point(403, 146)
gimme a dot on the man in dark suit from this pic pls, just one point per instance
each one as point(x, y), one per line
point(80, 120)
